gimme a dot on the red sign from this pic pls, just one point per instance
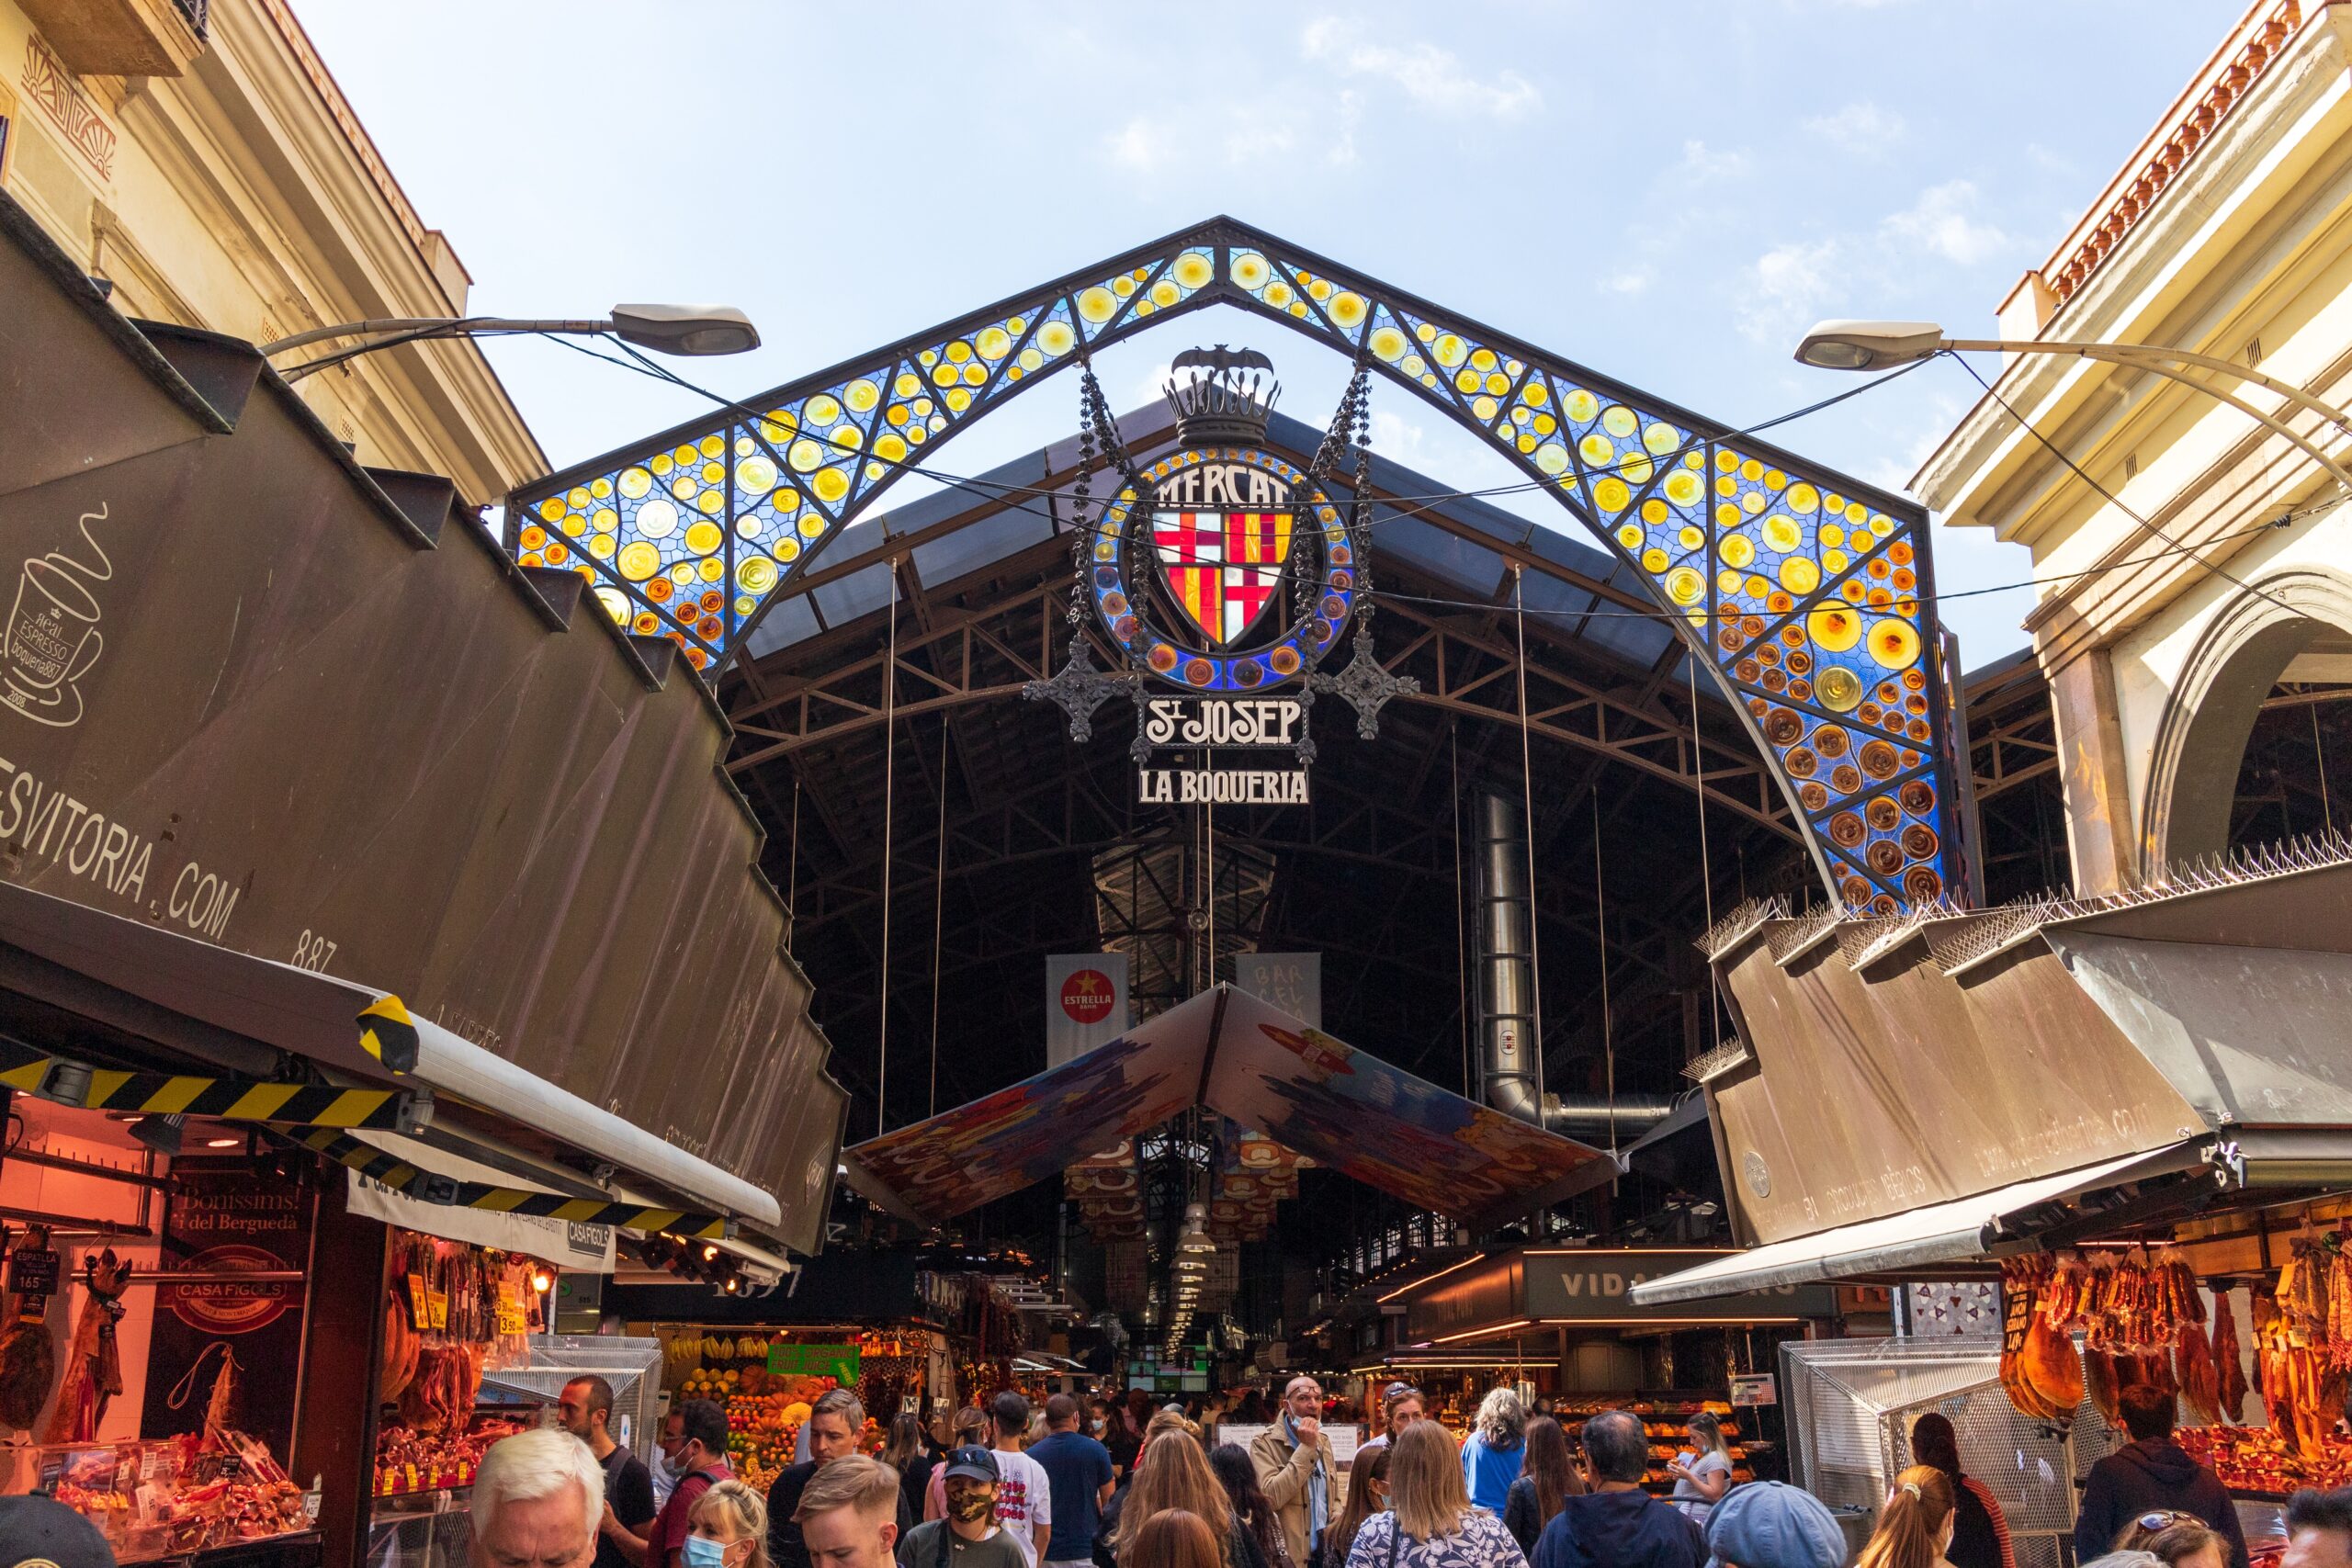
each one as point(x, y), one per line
point(1087, 996)
point(230, 1306)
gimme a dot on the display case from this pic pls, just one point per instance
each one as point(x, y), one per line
point(1851, 1403)
point(173, 1498)
point(1663, 1418)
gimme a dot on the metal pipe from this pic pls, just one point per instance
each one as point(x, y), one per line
point(1505, 970)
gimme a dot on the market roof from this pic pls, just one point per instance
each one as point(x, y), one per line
point(1250, 1061)
point(1901, 1083)
point(314, 713)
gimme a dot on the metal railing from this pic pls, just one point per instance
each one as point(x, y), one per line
point(195, 11)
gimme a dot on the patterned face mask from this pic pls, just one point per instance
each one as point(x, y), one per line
point(970, 1505)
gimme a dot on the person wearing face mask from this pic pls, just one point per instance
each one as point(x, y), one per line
point(694, 1445)
point(1295, 1470)
point(729, 1526)
point(1078, 1474)
point(969, 1536)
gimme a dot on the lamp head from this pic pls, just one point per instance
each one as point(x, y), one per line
point(1868, 345)
point(691, 330)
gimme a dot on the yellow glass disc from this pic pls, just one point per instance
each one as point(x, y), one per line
point(1782, 534)
point(1737, 550)
point(1895, 644)
point(1834, 630)
point(1683, 488)
point(640, 560)
point(1801, 577)
point(1387, 343)
point(636, 483)
point(1347, 310)
point(830, 484)
point(1840, 689)
point(1097, 305)
point(1685, 586)
point(704, 537)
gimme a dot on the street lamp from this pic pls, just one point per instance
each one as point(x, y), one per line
point(685, 330)
point(1877, 345)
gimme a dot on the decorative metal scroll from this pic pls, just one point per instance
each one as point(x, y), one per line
point(1807, 595)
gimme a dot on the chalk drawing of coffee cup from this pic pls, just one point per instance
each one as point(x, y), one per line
point(54, 638)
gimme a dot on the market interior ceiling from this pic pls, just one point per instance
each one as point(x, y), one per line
point(1046, 850)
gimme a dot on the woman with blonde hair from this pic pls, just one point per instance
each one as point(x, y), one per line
point(727, 1528)
point(1173, 1475)
point(1703, 1471)
point(1431, 1522)
point(1496, 1449)
point(1916, 1525)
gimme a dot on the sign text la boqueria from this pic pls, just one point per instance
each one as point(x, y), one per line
point(1205, 725)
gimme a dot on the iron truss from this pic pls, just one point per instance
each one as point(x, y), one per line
point(1801, 591)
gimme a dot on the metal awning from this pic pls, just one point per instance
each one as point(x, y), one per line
point(1920, 1238)
point(315, 1016)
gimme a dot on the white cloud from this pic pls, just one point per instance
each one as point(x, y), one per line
point(1427, 74)
point(1393, 435)
point(1702, 163)
point(1142, 144)
point(1893, 471)
point(1785, 289)
point(1629, 280)
point(1941, 222)
point(1859, 128)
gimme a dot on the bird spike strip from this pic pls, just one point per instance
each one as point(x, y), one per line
point(1965, 943)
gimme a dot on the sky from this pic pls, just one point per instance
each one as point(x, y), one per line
point(1667, 192)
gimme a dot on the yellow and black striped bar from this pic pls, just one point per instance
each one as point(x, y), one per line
point(391, 1171)
point(27, 1068)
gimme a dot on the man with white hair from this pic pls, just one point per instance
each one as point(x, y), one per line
point(538, 1500)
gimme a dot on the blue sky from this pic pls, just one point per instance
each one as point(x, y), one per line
point(1666, 191)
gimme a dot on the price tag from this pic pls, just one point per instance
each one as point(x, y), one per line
point(511, 1316)
point(436, 1309)
point(420, 1303)
point(33, 1273)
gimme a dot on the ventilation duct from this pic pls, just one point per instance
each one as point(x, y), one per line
point(1507, 1047)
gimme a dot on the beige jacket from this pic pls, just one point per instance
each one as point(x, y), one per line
point(1284, 1468)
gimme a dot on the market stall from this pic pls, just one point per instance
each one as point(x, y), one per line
point(148, 1300)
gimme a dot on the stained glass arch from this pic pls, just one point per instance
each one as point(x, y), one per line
point(1806, 595)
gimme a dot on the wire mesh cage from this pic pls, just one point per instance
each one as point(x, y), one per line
point(632, 1366)
point(1850, 1406)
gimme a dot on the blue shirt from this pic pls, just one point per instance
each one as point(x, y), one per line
point(1490, 1471)
point(1077, 1467)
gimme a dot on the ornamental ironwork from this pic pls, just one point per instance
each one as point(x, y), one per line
point(1806, 595)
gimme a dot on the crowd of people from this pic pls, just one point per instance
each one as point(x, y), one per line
point(1119, 1485)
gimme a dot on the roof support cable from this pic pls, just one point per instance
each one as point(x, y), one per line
point(1706, 867)
point(1527, 804)
point(1460, 940)
point(938, 913)
point(1608, 1023)
point(889, 814)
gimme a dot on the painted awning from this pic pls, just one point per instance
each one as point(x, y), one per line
point(1246, 1059)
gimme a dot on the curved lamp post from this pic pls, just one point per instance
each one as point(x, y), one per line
point(1875, 345)
point(686, 329)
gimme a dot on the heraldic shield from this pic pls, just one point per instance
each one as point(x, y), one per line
point(1222, 568)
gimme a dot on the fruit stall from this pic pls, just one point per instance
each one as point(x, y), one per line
point(766, 1379)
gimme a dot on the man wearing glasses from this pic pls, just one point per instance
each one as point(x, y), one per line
point(2151, 1475)
point(1400, 1407)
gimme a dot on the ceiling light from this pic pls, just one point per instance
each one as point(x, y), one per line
point(161, 1134)
point(223, 1143)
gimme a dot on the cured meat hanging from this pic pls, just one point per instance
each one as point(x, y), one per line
point(2137, 1317)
